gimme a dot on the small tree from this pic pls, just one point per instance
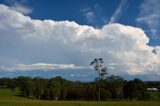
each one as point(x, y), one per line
point(102, 71)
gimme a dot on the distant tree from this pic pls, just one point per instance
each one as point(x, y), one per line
point(102, 71)
point(40, 84)
point(135, 89)
point(116, 86)
point(90, 91)
point(46, 94)
point(55, 88)
point(75, 91)
point(64, 89)
point(12, 84)
point(26, 86)
point(4, 81)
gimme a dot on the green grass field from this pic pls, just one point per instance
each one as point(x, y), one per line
point(7, 98)
point(155, 95)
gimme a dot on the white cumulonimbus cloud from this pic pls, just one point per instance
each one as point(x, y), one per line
point(26, 40)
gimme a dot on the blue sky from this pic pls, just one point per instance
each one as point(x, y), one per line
point(58, 35)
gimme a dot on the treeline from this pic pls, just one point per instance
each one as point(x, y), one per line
point(112, 88)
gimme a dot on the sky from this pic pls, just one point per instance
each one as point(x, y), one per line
point(61, 37)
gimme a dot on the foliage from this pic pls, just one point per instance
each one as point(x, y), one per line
point(112, 88)
point(8, 98)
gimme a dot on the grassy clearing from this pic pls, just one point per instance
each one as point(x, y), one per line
point(6, 94)
point(7, 98)
point(155, 95)
point(73, 103)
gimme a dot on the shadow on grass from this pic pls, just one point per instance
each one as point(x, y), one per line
point(18, 95)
